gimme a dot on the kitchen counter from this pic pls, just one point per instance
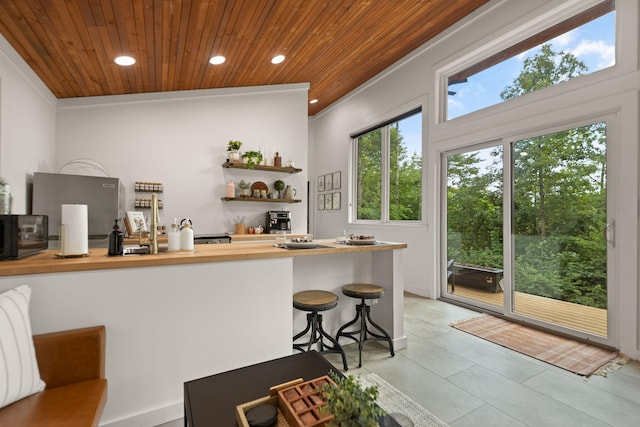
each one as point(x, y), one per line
point(47, 262)
point(173, 317)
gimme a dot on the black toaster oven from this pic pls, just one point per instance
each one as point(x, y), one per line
point(22, 235)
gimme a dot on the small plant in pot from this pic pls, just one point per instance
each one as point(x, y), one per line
point(232, 149)
point(279, 186)
point(351, 405)
point(251, 158)
point(245, 188)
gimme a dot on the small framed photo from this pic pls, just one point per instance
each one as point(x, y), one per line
point(337, 178)
point(321, 183)
point(328, 201)
point(134, 221)
point(328, 182)
point(336, 201)
point(320, 202)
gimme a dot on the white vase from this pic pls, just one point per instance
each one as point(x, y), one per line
point(234, 156)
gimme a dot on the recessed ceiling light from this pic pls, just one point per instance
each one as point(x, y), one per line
point(313, 101)
point(277, 59)
point(217, 60)
point(125, 61)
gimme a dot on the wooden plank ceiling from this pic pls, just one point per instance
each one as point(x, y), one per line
point(334, 45)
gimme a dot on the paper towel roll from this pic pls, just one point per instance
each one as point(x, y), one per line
point(75, 219)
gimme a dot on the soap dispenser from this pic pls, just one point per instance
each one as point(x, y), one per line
point(186, 236)
point(173, 236)
point(115, 241)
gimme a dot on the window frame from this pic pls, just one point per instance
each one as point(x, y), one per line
point(384, 126)
point(492, 51)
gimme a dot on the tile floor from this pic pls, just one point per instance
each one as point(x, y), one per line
point(467, 381)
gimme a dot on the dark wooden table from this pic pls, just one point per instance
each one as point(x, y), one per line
point(212, 400)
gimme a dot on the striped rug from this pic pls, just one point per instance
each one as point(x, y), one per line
point(399, 405)
point(583, 359)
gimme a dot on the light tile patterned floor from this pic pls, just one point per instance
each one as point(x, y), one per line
point(466, 381)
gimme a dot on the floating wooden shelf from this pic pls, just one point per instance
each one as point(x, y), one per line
point(259, 199)
point(261, 167)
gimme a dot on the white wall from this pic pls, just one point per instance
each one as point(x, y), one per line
point(413, 81)
point(180, 139)
point(27, 126)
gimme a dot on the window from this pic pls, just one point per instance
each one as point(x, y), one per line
point(388, 170)
point(580, 45)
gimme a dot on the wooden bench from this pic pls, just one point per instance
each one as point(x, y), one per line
point(72, 365)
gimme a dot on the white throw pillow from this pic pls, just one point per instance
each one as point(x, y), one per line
point(19, 373)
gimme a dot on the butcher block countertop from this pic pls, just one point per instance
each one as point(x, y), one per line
point(47, 262)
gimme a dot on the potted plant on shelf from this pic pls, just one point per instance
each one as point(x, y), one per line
point(245, 188)
point(351, 405)
point(233, 150)
point(251, 158)
point(279, 186)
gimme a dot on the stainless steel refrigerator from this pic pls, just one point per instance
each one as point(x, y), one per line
point(103, 196)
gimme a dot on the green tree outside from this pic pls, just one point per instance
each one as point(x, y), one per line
point(405, 177)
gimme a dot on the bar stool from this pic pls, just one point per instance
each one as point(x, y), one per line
point(315, 301)
point(364, 291)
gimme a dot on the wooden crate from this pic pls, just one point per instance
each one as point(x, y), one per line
point(300, 404)
point(272, 399)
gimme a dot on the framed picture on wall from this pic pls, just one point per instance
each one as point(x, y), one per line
point(337, 178)
point(336, 201)
point(328, 201)
point(321, 183)
point(328, 182)
point(320, 202)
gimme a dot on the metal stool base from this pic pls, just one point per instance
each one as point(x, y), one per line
point(318, 335)
point(363, 313)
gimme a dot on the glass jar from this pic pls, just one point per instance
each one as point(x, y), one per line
point(5, 198)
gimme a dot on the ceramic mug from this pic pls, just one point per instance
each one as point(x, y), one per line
point(259, 229)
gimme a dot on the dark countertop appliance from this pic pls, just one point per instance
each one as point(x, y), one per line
point(278, 220)
point(22, 235)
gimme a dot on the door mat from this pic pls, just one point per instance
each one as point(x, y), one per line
point(583, 359)
point(393, 401)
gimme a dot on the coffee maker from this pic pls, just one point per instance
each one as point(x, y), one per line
point(278, 220)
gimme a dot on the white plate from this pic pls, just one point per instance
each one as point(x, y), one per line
point(362, 241)
point(302, 245)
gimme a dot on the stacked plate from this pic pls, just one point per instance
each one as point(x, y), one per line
point(304, 243)
point(355, 239)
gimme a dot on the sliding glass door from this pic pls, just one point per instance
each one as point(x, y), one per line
point(559, 218)
point(474, 231)
point(547, 193)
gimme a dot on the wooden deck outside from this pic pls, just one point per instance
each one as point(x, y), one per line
point(574, 316)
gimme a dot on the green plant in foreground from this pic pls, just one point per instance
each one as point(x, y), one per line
point(253, 158)
point(351, 405)
point(234, 145)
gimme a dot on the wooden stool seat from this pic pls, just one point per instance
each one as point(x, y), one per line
point(364, 291)
point(315, 301)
